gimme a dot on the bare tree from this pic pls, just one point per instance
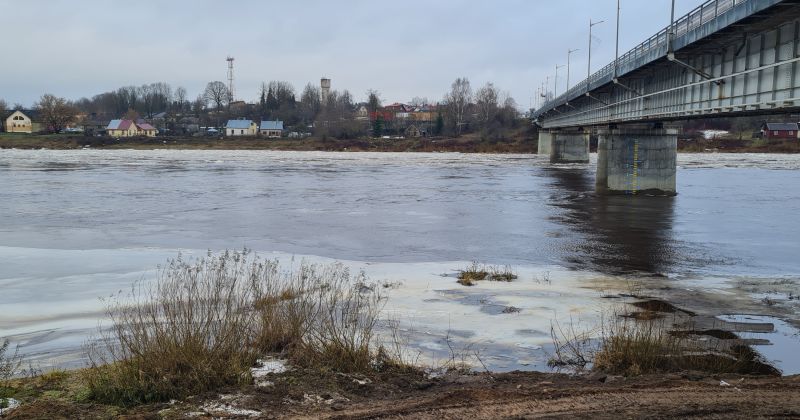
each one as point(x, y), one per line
point(217, 93)
point(487, 100)
point(199, 104)
point(3, 107)
point(181, 98)
point(55, 112)
point(373, 100)
point(418, 101)
point(457, 101)
point(310, 103)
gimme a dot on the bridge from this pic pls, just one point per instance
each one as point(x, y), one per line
point(725, 58)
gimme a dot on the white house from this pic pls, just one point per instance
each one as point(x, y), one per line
point(271, 129)
point(236, 128)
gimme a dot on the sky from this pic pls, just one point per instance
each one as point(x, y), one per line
point(402, 49)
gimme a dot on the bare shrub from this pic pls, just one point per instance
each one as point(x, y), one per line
point(203, 325)
point(630, 346)
point(9, 362)
point(190, 331)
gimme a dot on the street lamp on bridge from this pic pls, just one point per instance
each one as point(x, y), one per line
point(569, 53)
point(589, 66)
point(555, 85)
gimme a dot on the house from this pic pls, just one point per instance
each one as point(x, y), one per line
point(22, 121)
point(129, 128)
point(240, 128)
point(271, 129)
point(414, 131)
point(146, 129)
point(779, 130)
point(362, 113)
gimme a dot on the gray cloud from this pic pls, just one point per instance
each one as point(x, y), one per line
point(403, 49)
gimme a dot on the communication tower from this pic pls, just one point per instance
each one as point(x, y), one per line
point(230, 78)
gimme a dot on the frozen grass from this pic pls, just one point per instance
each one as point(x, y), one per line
point(10, 362)
point(629, 346)
point(471, 275)
point(203, 325)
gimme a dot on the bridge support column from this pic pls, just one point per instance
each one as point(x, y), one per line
point(569, 146)
point(637, 160)
point(545, 142)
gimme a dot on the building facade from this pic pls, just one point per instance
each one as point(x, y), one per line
point(271, 129)
point(238, 128)
point(779, 131)
point(19, 122)
point(129, 128)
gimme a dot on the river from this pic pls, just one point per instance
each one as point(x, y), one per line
point(77, 226)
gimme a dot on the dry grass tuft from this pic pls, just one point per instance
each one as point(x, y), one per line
point(201, 326)
point(471, 275)
point(630, 346)
point(9, 362)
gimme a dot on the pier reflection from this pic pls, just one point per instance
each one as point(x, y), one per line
point(618, 234)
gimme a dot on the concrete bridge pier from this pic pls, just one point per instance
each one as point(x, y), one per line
point(637, 159)
point(565, 146)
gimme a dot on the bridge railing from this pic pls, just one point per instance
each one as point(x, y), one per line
point(703, 14)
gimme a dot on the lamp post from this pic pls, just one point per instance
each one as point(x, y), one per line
point(589, 66)
point(616, 51)
point(672, 27)
point(555, 85)
point(569, 53)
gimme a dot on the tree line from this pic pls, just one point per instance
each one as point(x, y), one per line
point(487, 111)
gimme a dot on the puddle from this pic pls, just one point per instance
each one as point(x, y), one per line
point(783, 339)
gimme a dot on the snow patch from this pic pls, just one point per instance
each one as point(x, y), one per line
point(10, 404)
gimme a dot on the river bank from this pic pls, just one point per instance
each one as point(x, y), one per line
point(519, 143)
point(304, 394)
point(464, 144)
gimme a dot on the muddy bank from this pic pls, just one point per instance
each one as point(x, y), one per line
point(520, 143)
point(306, 394)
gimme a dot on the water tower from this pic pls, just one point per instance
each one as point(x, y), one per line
point(325, 84)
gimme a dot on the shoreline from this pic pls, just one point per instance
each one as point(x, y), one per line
point(465, 144)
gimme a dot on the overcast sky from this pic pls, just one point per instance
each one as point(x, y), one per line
point(403, 49)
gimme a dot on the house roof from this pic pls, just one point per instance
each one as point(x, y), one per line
point(239, 124)
point(119, 125)
point(30, 113)
point(272, 125)
point(782, 126)
point(146, 126)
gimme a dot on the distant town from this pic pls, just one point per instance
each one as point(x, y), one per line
point(157, 109)
point(486, 114)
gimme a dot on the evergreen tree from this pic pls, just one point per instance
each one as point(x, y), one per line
point(439, 124)
point(377, 126)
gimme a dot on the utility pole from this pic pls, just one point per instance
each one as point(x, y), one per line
point(555, 88)
point(672, 28)
point(569, 53)
point(589, 66)
point(616, 52)
point(547, 86)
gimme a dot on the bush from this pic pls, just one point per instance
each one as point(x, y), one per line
point(202, 326)
point(630, 346)
point(471, 275)
point(9, 363)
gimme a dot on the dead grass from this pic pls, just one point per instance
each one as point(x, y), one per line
point(476, 272)
point(10, 362)
point(203, 325)
point(632, 346)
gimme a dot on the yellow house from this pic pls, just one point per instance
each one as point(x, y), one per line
point(19, 122)
point(128, 128)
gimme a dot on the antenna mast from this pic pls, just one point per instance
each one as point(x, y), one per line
point(230, 78)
